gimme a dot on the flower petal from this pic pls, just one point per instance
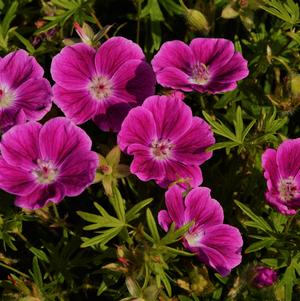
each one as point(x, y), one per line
point(73, 68)
point(164, 219)
point(114, 53)
point(113, 118)
point(288, 155)
point(16, 180)
point(214, 87)
point(77, 105)
point(173, 54)
point(271, 172)
point(19, 146)
point(221, 248)
point(236, 69)
point(41, 196)
point(137, 128)
point(134, 81)
point(282, 207)
point(17, 67)
point(174, 78)
point(212, 52)
point(202, 209)
point(175, 205)
point(143, 165)
point(171, 115)
point(60, 137)
point(34, 97)
point(10, 117)
point(78, 171)
point(190, 148)
point(177, 171)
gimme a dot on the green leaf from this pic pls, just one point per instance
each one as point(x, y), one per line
point(152, 225)
point(247, 129)
point(267, 242)
point(219, 128)
point(102, 239)
point(118, 203)
point(9, 16)
point(259, 221)
point(36, 273)
point(25, 42)
point(134, 212)
point(173, 235)
point(177, 252)
point(99, 221)
point(238, 123)
point(39, 254)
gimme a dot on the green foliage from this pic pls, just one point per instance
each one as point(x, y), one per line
point(113, 248)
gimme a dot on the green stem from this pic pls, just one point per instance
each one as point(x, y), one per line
point(289, 223)
point(99, 25)
point(283, 63)
point(13, 269)
point(138, 25)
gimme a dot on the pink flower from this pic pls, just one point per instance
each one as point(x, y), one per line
point(43, 163)
point(264, 277)
point(216, 244)
point(102, 84)
point(282, 172)
point(206, 65)
point(24, 93)
point(167, 142)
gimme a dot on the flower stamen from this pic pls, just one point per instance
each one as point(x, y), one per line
point(288, 189)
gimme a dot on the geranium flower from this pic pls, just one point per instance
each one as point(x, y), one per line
point(167, 142)
point(282, 172)
point(264, 277)
point(24, 93)
point(216, 244)
point(93, 83)
point(206, 65)
point(43, 163)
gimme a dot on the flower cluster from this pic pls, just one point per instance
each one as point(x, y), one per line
point(216, 244)
point(114, 86)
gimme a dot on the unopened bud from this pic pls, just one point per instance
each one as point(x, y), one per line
point(295, 85)
point(197, 20)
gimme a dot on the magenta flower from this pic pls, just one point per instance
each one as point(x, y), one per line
point(24, 93)
point(101, 84)
point(216, 244)
point(206, 65)
point(43, 163)
point(264, 277)
point(282, 172)
point(167, 142)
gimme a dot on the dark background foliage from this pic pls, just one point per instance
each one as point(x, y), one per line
point(44, 255)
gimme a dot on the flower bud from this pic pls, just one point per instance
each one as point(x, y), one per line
point(295, 85)
point(197, 20)
point(264, 277)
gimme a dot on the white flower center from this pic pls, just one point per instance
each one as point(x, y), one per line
point(194, 238)
point(46, 172)
point(6, 97)
point(161, 149)
point(100, 88)
point(288, 189)
point(200, 74)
